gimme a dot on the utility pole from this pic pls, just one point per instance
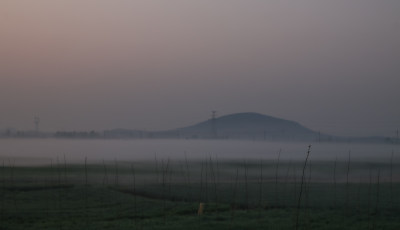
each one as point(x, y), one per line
point(36, 121)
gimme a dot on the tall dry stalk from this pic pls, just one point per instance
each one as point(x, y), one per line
point(51, 180)
point(276, 178)
point(188, 178)
point(260, 198)
point(369, 198)
point(301, 187)
point(86, 195)
point(59, 193)
point(294, 170)
point(201, 182)
point(105, 177)
point(377, 199)
point(164, 187)
point(347, 183)
point(134, 192)
point(156, 165)
point(307, 186)
point(116, 179)
point(12, 183)
point(234, 193)
point(358, 199)
point(307, 196)
point(164, 190)
point(214, 177)
point(285, 202)
point(3, 185)
point(246, 186)
point(217, 169)
point(206, 181)
point(169, 178)
point(86, 172)
point(391, 180)
point(65, 169)
point(58, 173)
point(334, 183)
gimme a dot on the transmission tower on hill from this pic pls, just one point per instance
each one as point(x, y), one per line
point(214, 124)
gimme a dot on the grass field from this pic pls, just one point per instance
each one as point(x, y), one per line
point(165, 194)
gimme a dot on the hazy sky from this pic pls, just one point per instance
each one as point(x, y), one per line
point(333, 66)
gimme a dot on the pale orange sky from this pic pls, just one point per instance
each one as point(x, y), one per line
point(99, 64)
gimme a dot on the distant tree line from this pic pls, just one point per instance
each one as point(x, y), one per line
point(80, 134)
point(177, 134)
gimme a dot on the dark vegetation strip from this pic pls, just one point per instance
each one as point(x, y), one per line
point(37, 188)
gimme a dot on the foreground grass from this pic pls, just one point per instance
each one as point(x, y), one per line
point(167, 197)
point(106, 208)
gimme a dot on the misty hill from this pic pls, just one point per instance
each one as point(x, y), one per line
point(245, 126)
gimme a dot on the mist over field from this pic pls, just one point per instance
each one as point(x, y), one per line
point(37, 152)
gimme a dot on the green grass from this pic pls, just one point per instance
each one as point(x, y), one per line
point(56, 197)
